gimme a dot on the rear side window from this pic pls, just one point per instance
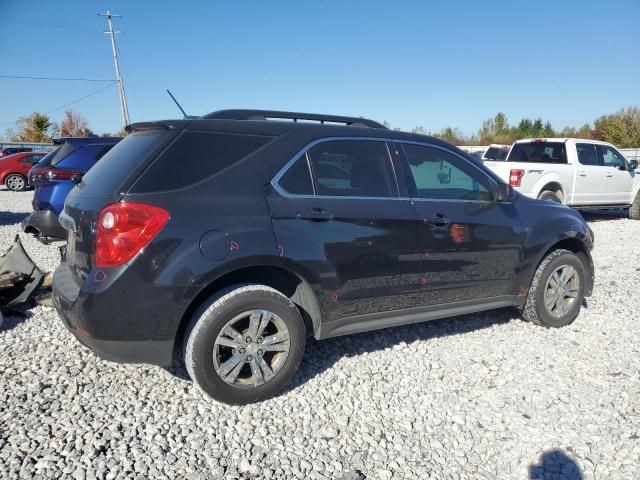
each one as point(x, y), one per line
point(587, 153)
point(106, 176)
point(195, 156)
point(538, 152)
point(297, 180)
point(353, 168)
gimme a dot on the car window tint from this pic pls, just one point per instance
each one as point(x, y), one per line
point(587, 153)
point(297, 179)
point(195, 156)
point(116, 166)
point(538, 152)
point(441, 175)
point(610, 157)
point(353, 168)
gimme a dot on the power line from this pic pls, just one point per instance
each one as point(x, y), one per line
point(80, 99)
point(27, 77)
point(68, 104)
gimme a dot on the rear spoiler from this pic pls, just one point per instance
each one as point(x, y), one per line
point(158, 125)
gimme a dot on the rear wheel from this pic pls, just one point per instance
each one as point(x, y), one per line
point(15, 182)
point(245, 344)
point(634, 210)
point(551, 196)
point(557, 290)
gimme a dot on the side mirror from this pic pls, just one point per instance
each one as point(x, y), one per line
point(504, 193)
point(633, 164)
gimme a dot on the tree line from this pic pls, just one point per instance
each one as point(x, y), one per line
point(39, 128)
point(621, 128)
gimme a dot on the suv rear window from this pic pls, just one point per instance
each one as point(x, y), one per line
point(195, 156)
point(538, 152)
point(107, 175)
point(57, 154)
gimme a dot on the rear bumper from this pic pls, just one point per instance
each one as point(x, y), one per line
point(115, 327)
point(44, 223)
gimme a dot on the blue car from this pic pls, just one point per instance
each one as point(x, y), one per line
point(55, 175)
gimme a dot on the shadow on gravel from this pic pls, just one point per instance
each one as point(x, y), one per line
point(11, 218)
point(555, 464)
point(321, 355)
point(12, 318)
point(604, 215)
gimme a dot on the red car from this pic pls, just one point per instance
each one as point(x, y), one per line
point(14, 169)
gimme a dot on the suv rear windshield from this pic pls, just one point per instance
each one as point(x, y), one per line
point(538, 152)
point(57, 154)
point(496, 153)
point(106, 176)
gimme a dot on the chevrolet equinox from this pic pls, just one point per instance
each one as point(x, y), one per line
point(231, 236)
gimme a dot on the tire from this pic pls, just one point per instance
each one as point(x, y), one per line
point(15, 182)
point(634, 210)
point(550, 195)
point(535, 310)
point(211, 364)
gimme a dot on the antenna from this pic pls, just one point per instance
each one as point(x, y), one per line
point(176, 102)
point(123, 96)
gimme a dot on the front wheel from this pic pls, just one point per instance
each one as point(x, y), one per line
point(245, 344)
point(15, 182)
point(634, 210)
point(557, 290)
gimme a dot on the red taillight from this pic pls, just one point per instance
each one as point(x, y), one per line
point(515, 177)
point(44, 174)
point(124, 229)
point(62, 174)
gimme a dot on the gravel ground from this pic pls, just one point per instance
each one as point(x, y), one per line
point(483, 396)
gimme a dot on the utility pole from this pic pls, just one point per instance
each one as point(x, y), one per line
point(123, 96)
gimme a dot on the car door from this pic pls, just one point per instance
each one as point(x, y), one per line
point(471, 244)
point(590, 177)
point(339, 219)
point(618, 178)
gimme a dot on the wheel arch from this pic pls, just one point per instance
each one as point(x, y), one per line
point(553, 186)
point(577, 247)
point(288, 282)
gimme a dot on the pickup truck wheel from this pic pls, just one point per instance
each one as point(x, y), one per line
point(634, 210)
point(557, 290)
point(244, 344)
point(550, 195)
point(15, 182)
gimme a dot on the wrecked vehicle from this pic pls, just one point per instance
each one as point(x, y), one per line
point(20, 278)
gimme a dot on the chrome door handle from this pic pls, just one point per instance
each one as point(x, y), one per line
point(315, 215)
point(438, 220)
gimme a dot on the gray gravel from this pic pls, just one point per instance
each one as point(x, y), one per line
point(484, 396)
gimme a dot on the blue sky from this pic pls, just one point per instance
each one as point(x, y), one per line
point(431, 63)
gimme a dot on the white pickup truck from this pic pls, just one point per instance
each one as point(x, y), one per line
point(579, 173)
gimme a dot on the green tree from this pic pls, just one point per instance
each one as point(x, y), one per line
point(37, 127)
point(621, 128)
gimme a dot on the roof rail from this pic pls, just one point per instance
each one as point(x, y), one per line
point(293, 116)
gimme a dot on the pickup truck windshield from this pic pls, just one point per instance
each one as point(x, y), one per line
point(538, 152)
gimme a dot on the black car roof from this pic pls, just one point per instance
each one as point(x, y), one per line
point(277, 123)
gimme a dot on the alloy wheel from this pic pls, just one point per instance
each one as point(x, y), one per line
point(251, 348)
point(561, 290)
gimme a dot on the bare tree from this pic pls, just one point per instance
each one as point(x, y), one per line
point(74, 125)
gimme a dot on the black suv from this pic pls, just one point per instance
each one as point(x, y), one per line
point(231, 236)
